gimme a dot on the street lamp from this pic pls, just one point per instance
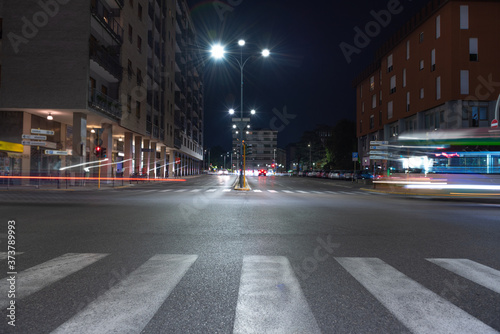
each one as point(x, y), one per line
point(218, 52)
point(310, 164)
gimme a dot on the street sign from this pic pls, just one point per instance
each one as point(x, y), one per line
point(354, 156)
point(494, 123)
point(37, 137)
point(33, 143)
point(378, 157)
point(378, 142)
point(52, 152)
point(177, 160)
point(42, 132)
point(379, 153)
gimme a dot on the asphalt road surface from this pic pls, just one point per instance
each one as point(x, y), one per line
point(293, 255)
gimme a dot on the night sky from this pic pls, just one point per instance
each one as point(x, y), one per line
point(307, 71)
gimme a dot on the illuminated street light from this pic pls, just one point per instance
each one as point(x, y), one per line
point(252, 111)
point(241, 42)
point(266, 53)
point(234, 126)
point(231, 111)
point(217, 51)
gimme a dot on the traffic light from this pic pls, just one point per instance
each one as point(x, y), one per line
point(273, 165)
point(103, 152)
point(98, 151)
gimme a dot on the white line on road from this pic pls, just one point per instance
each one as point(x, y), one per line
point(270, 299)
point(196, 190)
point(331, 192)
point(345, 193)
point(302, 192)
point(211, 190)
point(166, 190)
point(257, 191)
point(272, 191)
point(288, 191)
point(3, 255)
point(473, 271)
point(147, 191)
point(38, 277)
point(128, 306)
point(417, 307)
point(226, 190)
point(180, 190)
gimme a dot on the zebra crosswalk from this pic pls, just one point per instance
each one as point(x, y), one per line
point(267, 191)
point(270, 296)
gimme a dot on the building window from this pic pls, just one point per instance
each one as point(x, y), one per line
point(138, 109)
point(438, 88)
point(464, 17)
point(421, 38)
point(483, 113)
point(372, 83)
point(130, 71)
point(473, 49)
point(130, 33)
point(139, 44)
point(407, 50)
point(407, 101)
point(433, 60)
point(389, 64)
point(372, 122)
point(389, 110)
point(139, 12)
point(374, 101)
point(139, 77)
point(129, 103)
point(421, 65)
point(394, 130)
point(393, 84)
point(421, 93)
point(438, 26)
point(464, 82)
point(404, 77)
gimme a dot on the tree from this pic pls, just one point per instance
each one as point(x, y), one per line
point(341, 144)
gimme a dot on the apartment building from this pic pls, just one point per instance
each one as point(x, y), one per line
point(99, 73)
point(439, 71)
point(261, 149)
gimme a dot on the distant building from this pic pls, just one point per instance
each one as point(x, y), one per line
point(122, 75)
point(262, 149)
point(439, 71)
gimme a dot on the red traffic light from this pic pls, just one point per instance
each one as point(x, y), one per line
point(97, 150)
point(273, 165)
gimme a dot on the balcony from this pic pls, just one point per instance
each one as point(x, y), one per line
point(106, 59)
point(105, 17)
point(104, 104)
point(177, 142)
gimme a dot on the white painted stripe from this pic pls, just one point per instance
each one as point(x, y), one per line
point(270, 299)
point(226, 190)
point(345, 193)
point(272, 191)
point(147, 191)
point(288, 191)
point(4, 255)
point(317, 192)
point(166, 190)
point(473, 271)
point(196, 190)
point(330, 192)
point(211, 190)
point(302, 192)
point(128, 306)
point(418, 308)
point(257, 191)
point(180, 190)
point(38, 277)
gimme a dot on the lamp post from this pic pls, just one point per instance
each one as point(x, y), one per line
point(310, 159)
point(218, 52)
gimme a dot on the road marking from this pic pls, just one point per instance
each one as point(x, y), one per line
point(257, 191)
point(211, 190)
point(317, 192)
point(38, 277)
point(418, 308)
point(288, 191)
point(166, 190)
point(473, 271)
point(196, 190)
point(147, 191)
point(226, 190)
point(272, 191)
point(180, 190)
point(4, 255)
point(128, 306)
point(345, 193)
point(302, 192)
point(270, 299)
point(330, 192)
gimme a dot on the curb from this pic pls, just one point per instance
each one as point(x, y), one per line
point(236, 187)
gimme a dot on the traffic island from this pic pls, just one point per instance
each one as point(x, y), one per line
point(246, 186)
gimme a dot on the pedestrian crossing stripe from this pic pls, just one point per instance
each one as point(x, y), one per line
point(288, 191)
point(128, 306)
point(270, 298)
point(180, 190)
point(211, 190)
point(38, 277)
point(196, 190)
point(418, 308)
point(226, 190)
point(259, 191)
point(166, 190)
point(272, 191)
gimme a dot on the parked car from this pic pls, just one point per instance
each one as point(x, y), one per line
point(363, 175)
point(262, 172)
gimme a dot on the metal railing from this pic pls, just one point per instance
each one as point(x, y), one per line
point(106, 59)
point(104, 104)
